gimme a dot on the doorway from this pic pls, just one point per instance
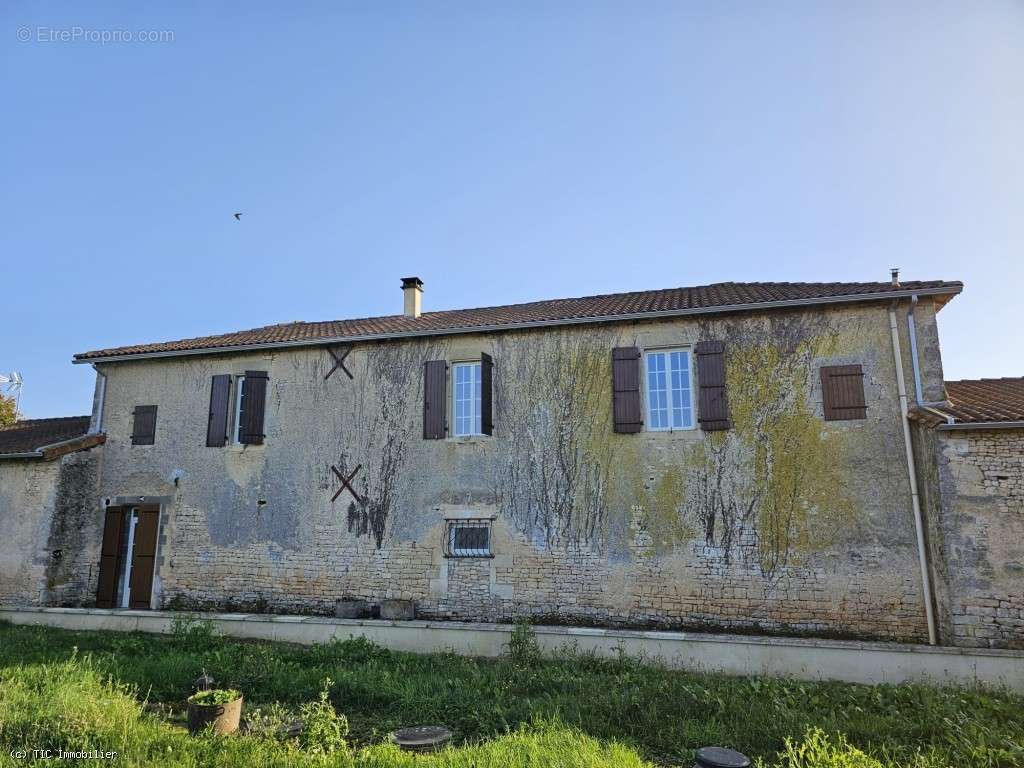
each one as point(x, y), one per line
point(128, 557)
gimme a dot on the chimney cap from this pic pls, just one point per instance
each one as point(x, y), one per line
point(411, 282)
point(895, 272)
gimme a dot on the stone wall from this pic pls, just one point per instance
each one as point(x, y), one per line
point(50, 524)
point(786, 523)
point(978, 542)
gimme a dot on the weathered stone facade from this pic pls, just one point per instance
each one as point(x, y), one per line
point(49, 530)
point(977, 535)
point(784, 523)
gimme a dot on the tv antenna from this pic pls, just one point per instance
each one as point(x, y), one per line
point(11, 383)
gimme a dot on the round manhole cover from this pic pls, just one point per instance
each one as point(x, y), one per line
point(720, 757)
point(422, 738)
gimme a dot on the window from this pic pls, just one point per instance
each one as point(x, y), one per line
point(669, 392)
point(842, 392)
point(466, 398)
point(468, 538)
point(144, 425)
point(239, 409)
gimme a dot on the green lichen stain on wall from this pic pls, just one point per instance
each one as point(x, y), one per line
point(663, 518)
point(553, 474)
point(794, 468)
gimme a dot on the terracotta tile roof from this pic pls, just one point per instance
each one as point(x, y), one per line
point(32, 434)
point(719, 297)
point(977, 401)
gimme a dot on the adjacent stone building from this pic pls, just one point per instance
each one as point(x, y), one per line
point(49, 475)
point(976, 510)
point(759, 457)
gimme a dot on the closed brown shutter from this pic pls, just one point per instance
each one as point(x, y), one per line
point(254, 406)
point(144, 425)
point(713, 413)
point(110, 552)
point(486, 397)
point(626, 390)
point(143, 558)
point(220, 395)
point(435, 379)
point(842, 392)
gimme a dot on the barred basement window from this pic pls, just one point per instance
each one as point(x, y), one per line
point(468, 538)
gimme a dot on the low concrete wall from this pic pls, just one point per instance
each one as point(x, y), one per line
point(856, 662)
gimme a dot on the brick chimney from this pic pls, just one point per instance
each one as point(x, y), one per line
point(412, 287)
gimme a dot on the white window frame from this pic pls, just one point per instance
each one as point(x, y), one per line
point(669, 391)
point(133, 519)
point(237, 423)
point(476, 428)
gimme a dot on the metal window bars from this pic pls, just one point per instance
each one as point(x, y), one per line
point(468, 538)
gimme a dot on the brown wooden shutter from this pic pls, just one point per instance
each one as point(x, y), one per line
point(713, 405)
point(626, 390)
point(435, 379)
point(220, 397)
point(254, 406)
point(144, 425)
point(842, 392)
point(143, 558)
point(486, 398)
point(110, 553)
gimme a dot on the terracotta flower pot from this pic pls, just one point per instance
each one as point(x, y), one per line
point(224, 717)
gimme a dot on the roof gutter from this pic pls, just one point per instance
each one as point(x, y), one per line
point(846, 299)
point(961, 425)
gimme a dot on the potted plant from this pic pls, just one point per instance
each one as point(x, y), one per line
point(220, 707)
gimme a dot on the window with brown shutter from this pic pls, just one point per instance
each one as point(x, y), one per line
point(144, 425)
point(252, 406)
point(713, 405)
point(486, 394)
point(842, 392)
point(435, 379)
point(217, 426)
point(626, 412)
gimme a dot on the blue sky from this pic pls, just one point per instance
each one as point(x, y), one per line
point(502, 152)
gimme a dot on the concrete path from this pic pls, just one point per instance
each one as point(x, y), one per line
point(856, 662)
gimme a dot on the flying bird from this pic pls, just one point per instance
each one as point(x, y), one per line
point(238, 217)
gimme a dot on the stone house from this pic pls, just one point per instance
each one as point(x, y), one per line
point(772, 457)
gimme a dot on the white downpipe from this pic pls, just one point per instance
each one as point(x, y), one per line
point(101, 397)
point(922, 556)
point(912, 335)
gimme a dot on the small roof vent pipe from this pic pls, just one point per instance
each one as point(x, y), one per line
point(895, 272)
point(412, 287)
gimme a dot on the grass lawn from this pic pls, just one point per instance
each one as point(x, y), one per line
point(126, 692)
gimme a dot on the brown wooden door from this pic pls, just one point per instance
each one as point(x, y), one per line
point(143, 557)
point(110, 556)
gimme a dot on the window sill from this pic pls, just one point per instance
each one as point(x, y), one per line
point(673, 434)
point(470, 439)
point(239, 448)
